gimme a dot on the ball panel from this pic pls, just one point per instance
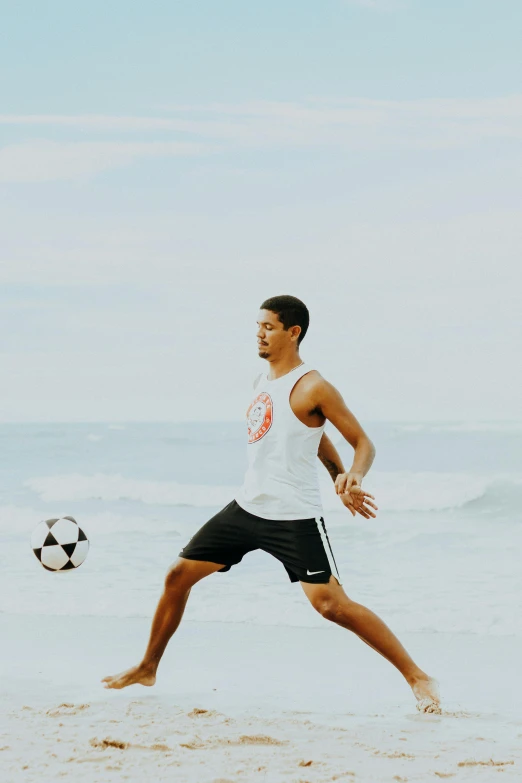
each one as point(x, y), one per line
point(50, 540)
point(51, 522)
point(80, 553)
point(69, 548)
point(39, 535)
point(67, 566)
point(65, 531)
point(53, 557)
point(81, 535)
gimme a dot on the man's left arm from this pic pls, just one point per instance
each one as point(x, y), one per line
point(331, 404)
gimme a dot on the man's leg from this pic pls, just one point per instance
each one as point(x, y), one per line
point(331, 602)
point(179, 580)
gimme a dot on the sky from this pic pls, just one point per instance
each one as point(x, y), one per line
point(166, 166)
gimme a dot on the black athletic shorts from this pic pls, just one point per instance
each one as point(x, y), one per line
point(301, 545)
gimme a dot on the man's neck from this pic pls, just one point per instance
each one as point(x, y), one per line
point(283, 366)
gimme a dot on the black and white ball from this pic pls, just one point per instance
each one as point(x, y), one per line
point(60, 544)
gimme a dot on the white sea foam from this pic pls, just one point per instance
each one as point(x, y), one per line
point(394, 491)
point(110, 487)
point(431, 491)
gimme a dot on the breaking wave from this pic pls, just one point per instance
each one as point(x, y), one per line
point(394, 491)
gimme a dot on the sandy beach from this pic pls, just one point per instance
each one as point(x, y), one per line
point(236, 702)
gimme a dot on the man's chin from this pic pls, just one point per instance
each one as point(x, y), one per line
point(263, 355)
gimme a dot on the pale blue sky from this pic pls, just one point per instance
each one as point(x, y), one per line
point(164, 167)
point(112, 57)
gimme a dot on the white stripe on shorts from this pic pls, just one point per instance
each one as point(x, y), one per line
point(327, 549)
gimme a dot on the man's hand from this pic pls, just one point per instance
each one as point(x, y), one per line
point(358, 501)
point(344, 482)
point(353, 496)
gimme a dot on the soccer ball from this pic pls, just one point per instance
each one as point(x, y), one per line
point(60, 544)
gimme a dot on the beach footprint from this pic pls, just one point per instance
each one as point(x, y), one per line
point(67, 709)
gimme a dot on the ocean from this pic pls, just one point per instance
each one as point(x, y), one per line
point(443, 554)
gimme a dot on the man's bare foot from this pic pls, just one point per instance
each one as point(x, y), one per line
point(426, 691)
point(138, 675)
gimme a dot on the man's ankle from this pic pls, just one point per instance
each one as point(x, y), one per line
point(417, 676)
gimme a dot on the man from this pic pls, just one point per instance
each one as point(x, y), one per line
point(278, 508)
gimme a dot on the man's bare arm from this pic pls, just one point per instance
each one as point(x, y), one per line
point(334, 408)
point(329, 401)
point(329, 456)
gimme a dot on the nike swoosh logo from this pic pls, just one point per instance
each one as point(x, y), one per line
point(311, 573)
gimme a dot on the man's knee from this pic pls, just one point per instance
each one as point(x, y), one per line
point(178, 576)
point(334, 605)
point(327, 606)
point(184, 573)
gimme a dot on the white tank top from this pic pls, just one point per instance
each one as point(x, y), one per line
point(281, 480)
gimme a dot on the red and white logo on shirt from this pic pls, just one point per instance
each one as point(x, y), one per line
point(259, 417)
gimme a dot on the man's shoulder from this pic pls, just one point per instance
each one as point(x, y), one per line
point(316, 388)
point(313, 380)
point(313, 385)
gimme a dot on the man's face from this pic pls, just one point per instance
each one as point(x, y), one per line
point(272, 339)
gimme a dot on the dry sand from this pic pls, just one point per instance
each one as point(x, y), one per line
point(243, 703)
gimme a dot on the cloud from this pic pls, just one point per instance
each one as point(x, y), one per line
point(43, 161)
point(345, 125)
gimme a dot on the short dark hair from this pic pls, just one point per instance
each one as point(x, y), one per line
point(290, 311)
